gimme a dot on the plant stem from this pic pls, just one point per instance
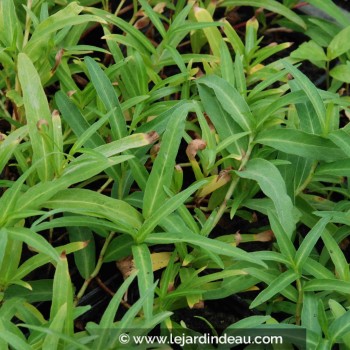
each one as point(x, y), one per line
point(299, 303)
point(327, 74)
point(96, 270)
point(307, 180)
point(105, 185)
point(28, 22)
point(232, 187)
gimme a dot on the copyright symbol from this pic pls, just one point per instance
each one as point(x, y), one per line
point(124, 338)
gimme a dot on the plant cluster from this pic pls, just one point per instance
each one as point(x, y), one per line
point(178, 146)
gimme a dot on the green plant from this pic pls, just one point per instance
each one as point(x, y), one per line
point(137, 152)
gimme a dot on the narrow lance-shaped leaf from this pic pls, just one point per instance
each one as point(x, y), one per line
point(33, 239)
point(62, 293)
point(270, 5)
point(9, 144)
point(273, 185)
point(300, 143)
point(143, 263)
point(52, 339)
point(106, 92)
point(13, 339)
point(8, 23)
point(330, 285)
point(85, 259)
point(340, 44)
point(225, 126)
point(108, 316)
point(336, 254)
point(339, 327)
point(309, 243)
point(311, 91)
point(41, 259)
point(76, 121)
point(276, 286)
point(93, 203)
point(338, 168)
point(283, 239)
point(331, 9)
point(212, 33)
point(38, 116)
point(166, 209)
point(231, 101)
point(38, 194)
point(214, 246)
point(164, 163)
point(153, 17)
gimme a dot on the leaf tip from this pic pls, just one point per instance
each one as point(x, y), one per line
point(152, 136)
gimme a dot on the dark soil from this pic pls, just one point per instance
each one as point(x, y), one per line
point(345, 4)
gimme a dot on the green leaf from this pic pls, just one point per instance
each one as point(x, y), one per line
point(270, 5)
point(342, 139)
point(14, 340)
point(9, 24)
point(233, 38)
point(62, 294)
point(41, 291)
point(129, 316)
point(248, 322)
point(9, 144)
point(226, 64)
point(166, 209)
point(276, 286)
point(76, 172)
point(338, 168)
point(38, 116)
point(57, 139)
point(329, 285)
point(212, 33)
point(340, 44)
point(311, 91)
point(308, 120)
point(52, 339)
point(283, 239)
point(119, 248)
point(337, 256)
point(88, 133)
point(68, 16)
point(85, 259)
point(300, 143)
point(95, 204)
point(126, 143)
point(3, 244)
point(341, 72)
point(124, 26)
point(105, 91)
point(231, 101)
point(33, 239)
point(143, 263)
point(309, 313)
point(73, 117)
point(310, 51)
point(273, 185)
point(108, 316)
point(339, 327)
point(331, 9)
point(214, 246)
point(225, 126)
point(309, 243)
point(153, 17)
point(162, 170)
point(41, 259)
point(296, 174)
